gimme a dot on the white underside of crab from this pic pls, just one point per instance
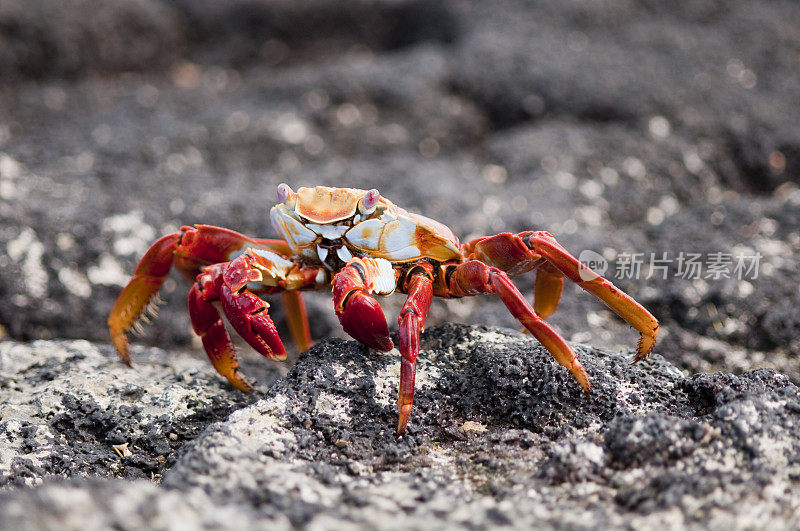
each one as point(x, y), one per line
point(295, 233)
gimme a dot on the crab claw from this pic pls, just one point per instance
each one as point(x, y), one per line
point(362, 318)
point(360, 314)
point(247, 313)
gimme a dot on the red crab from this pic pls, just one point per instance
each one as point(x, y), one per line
point(362, 245)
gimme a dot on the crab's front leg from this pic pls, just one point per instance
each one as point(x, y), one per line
point(189, 249)
point(419, 286)
point(360, 314)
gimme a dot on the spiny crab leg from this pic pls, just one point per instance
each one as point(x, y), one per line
point(411, 322)
point(137, 295)
point(188, 250)
point(473, 277)
point(360, 314)
point(518, 253)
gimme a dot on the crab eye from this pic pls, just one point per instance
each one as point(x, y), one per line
point(284, 192)
point(369, 201)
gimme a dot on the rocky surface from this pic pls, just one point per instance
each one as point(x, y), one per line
point(97, 505)
point(71, 408)
point(620, 127)
point(500, 435)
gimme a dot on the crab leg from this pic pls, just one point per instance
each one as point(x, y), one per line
point(547, 289)
point(360, 314)
point(247, 312)
point(137, 295)
point(542, 243)
point(188, 250)
point(297, 319)
point(508, 252)
point(207, 324)
point(411, 322)
point(473, 277)
point(518, 253)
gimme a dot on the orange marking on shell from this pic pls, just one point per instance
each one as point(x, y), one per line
point(440, 230)
point(326, 205)
point(434, 239)
point(426, 240)
point(369, 233)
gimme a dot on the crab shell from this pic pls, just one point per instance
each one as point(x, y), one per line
point(323, 215)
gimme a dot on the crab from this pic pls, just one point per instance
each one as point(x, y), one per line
point(358, 244)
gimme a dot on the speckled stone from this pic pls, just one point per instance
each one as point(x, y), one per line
point(72, 408)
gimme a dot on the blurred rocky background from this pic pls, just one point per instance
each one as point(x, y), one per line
point(621, 127)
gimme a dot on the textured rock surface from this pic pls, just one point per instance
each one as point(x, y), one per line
point(96, 505)
point(500, 435)
point(65, 406)
point(620, 127)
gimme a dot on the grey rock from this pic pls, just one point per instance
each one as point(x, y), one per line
point(65, 406)
point(96, 505)
point(500, 434)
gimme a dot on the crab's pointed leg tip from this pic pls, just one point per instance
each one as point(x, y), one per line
point(402, 421)
point(240, 382)
point(645, 347)
point(121, 345)
point(640, 355)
